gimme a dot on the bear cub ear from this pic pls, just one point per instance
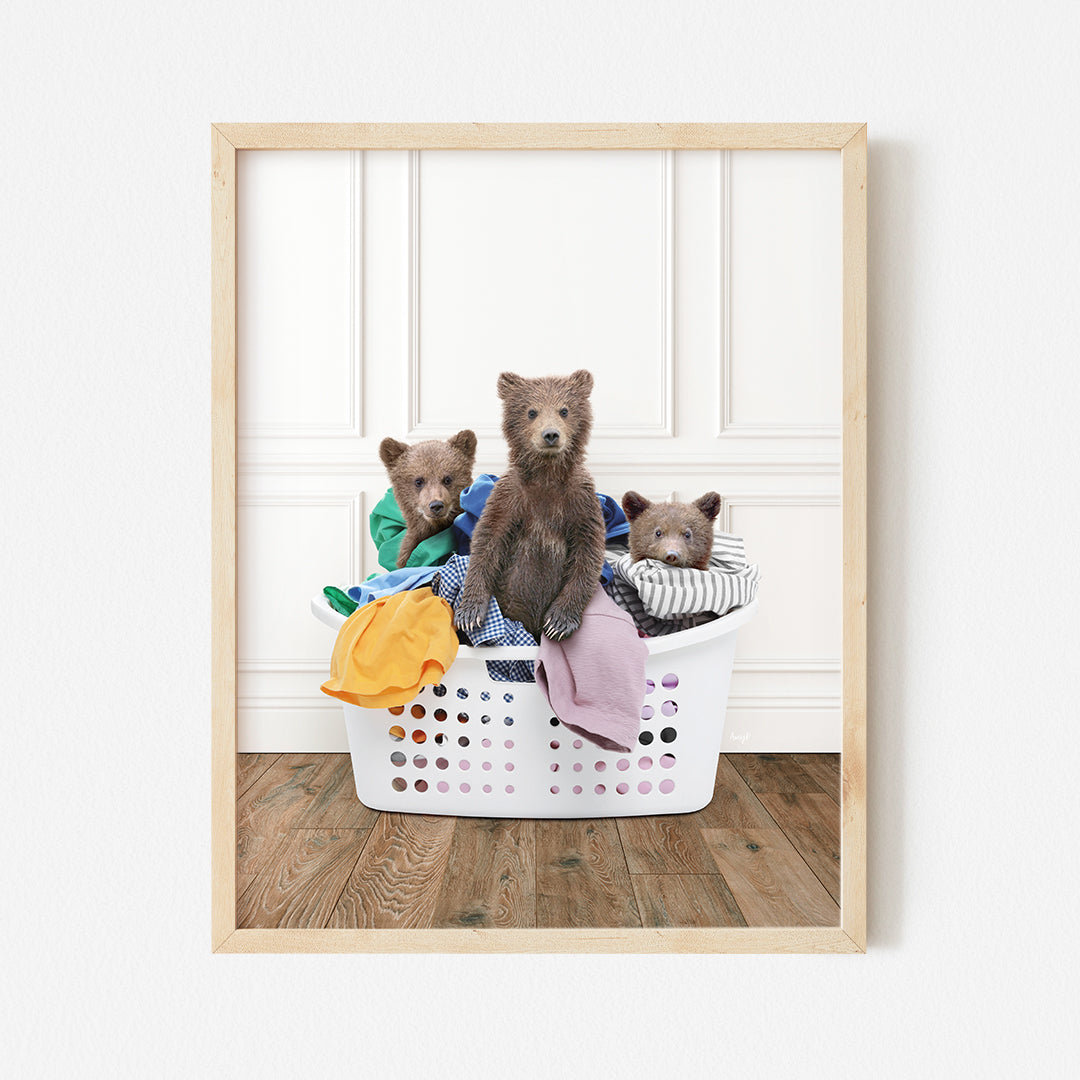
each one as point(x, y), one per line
point(581, 382)
point(709, 504)
point(508, 383)
point(390, 450)
point(634, 505)
point(465, 442)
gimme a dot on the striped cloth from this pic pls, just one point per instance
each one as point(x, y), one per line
point(664, 599)
point(496, 629)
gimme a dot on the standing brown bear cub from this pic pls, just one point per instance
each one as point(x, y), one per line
point(538, 547)
point(679, 534)
point(428, 479)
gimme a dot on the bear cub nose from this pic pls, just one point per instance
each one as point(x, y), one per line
point(435, 507)
point(671, 557)
point(551, 436)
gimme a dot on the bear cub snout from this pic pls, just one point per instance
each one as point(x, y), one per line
point(679, 534)
point(428, 479)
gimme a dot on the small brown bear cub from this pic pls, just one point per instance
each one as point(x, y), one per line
point(428, 479)
point(679, 534)
point(538, 547)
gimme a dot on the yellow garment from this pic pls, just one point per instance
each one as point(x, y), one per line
point(388, 649)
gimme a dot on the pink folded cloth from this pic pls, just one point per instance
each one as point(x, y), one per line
point(595, 679)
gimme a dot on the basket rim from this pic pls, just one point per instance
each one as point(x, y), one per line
point(322, 610)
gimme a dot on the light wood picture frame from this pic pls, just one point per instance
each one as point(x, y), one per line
point(850, 141)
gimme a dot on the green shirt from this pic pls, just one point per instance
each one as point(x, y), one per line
point(388, 530)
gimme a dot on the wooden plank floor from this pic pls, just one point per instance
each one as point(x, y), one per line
point(764, 852)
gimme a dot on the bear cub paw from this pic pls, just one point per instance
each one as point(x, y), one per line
point(560, 623)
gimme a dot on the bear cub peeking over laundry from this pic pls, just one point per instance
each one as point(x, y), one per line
point(679, 534)
point(428, 479)
point(538, 547)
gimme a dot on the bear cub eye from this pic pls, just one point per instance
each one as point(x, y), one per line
point(448, 480)
point(686, 535)
point(564, 412)
point(532, 414)
point(419, 481)
point(659, 533)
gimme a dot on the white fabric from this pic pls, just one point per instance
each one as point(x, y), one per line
point(663, 599)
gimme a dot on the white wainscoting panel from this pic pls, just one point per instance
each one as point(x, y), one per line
point(784, 350)
point(541, 262)
point(299, 333)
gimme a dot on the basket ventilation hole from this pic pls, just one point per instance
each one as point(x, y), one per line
point(442, 763)
point(622, 789)
point(554, 789)
point(463, 740)
point(669, 708)
point(509, 789)
point(485, 695)
point(487, 789)
point(509, 744)
point(439, 691)
point(669, 681)
point(508, 698)
point(397, 733)
point(397, 758)
point(418, 712)
point(644, 787)
point(419, 736)
point(398, 783)
point(462, 693)
point(440, 715)
point(554, 744)
point(650, 686)
point(600, 766)
point(508, 721)
point(554, 721)
point(667, 761)
point(645, 738)
point(667, 786)
point(420, 761)
point(647, 712)
point(463, 764)
point(440, 738)
point(421, 785)
point(465, 788)
point(622, 764)
point(599, 789)
point(577, 789)
point(485, 743)
point(396, 710)
point(463, 717)
point(486, 766)
point(645, 763)
point(485, 719)
point(669, 734)
point(442, 785)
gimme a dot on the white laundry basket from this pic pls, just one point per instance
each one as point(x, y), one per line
point(475, 747)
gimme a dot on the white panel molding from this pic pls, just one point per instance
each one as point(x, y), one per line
point(278, 701)
point(726, 426)
point(784, 701)
point(354, 503)
point(664, 427)
point(288, 465)
point(826, 665)
point(352, 428)
point(778, 664)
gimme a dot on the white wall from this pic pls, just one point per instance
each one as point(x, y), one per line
point(104, 436)
point(381, 293)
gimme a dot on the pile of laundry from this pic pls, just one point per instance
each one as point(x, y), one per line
point(399, 632)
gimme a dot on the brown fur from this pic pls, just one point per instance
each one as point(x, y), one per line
point(538, 547)
point(428, 479)
point(679, 534)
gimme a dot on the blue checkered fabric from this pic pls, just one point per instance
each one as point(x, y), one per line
point(496, 629)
